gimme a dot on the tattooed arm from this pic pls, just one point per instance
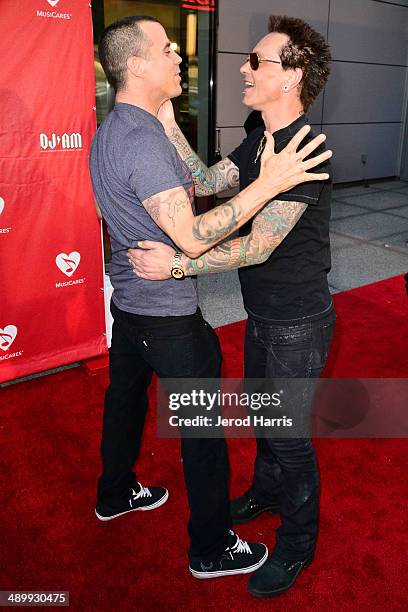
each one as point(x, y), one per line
point(270, 227)
point(207, 181)
point(171, 209)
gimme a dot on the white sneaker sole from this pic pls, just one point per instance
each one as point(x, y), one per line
point(220, 573)
point(157, 504)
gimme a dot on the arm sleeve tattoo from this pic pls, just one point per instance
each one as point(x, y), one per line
point(208, 181)
point(269, 228)
point(172, 212)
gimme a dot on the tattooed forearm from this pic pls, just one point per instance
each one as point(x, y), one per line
point(269, 229)
point(276, 220)
point(219, 222)
point(223, 257)
point(208, 181)
point(172, 211)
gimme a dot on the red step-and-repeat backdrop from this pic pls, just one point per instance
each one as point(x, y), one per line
point(51, 270)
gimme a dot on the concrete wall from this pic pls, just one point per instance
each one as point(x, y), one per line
point(362, 110)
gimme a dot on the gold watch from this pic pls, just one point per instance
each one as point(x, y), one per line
point(177, 271)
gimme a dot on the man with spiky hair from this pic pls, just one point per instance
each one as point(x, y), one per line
point(145, 191)
point(286, 295)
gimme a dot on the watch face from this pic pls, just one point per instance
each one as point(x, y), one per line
point(177, 273)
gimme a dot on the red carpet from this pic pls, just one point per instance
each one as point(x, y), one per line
point(51, 540)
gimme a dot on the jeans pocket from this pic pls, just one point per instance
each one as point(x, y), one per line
point(171, 356)
point(290, 352)
point(157, 339)
point(321, 344)
point(292, 360)
point(214, 340)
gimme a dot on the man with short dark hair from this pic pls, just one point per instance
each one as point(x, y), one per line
point(290, 310)
point(145, 191)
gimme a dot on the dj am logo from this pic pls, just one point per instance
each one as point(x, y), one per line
point(199, 5)
point(53, 14)
point(68, 263)
point(7, 337)
point(65, 142)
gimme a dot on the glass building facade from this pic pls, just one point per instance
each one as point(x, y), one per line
point(191, 28)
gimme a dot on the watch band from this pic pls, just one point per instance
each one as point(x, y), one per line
point(177, 271)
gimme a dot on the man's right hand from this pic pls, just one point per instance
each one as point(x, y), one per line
point(151, 260)
point(282, 171)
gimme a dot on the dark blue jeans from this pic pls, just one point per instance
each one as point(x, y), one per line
point(173, 347)
point(286, 470)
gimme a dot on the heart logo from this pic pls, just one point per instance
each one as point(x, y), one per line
point(7, 336)
point(68, 263)
point(53, 2)
point(1, 205)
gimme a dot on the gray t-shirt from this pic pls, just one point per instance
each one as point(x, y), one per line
point(131, 160)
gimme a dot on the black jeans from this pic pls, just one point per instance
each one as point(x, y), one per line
point(173, 347)
point(286, 470)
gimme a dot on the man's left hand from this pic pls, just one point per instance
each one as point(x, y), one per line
point(151, 260)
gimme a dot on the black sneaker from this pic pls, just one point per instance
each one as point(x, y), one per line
point(239, 557)
point(276, 576)
point(147, 498)
point(245, 508)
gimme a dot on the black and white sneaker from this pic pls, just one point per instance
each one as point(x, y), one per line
point(239, 557)
point(147, 498)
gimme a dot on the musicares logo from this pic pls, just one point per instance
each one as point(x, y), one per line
point(68, 263)
point(53, 14)
point(7, 336)
point(3, 230)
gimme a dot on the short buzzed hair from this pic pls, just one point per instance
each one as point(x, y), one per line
point(119, 41)
point(305, 49)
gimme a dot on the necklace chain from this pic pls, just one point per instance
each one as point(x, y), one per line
point(260, 148)
point(262, 143)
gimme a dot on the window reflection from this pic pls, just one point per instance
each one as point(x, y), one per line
point(192, 31)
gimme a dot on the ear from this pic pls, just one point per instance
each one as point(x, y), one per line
point(299, 75)
point(293, 78)
point(136, 65)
